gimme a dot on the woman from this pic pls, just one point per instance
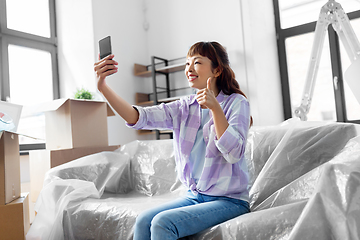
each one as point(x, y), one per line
point(209, 130)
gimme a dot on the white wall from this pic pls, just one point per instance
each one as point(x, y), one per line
point(176, 25)
point(262, 64)
point(123, 21)
point(246, 31)
point(75, 46)
point(81, 24)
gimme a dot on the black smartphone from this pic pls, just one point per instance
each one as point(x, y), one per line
point(105, 47)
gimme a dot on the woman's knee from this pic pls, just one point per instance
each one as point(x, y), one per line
point(143, 220)
point(162, 222)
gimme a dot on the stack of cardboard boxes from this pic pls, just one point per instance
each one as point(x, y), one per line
point(74, 128)
point(14, 205)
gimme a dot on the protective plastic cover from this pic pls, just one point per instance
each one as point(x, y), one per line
point(305, 179)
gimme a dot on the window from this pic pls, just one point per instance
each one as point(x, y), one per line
point(295, 25)
point(28, 63)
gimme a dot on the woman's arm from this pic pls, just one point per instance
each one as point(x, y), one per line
point(232, 143)
point(231, 130)
point(220, 121)
point(104, 68)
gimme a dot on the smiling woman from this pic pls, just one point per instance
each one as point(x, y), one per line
point(209, 133)
point(198, 70)
point(221, 73)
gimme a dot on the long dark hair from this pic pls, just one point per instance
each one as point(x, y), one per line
point(226, 81)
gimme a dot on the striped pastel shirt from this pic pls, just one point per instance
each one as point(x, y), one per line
point(225, 171)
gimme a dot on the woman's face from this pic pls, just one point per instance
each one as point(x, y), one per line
point(198, 69)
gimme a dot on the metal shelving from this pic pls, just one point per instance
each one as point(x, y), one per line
point(159, 66)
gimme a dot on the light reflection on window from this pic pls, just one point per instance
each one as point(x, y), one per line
point(352, 105)
point(298, 50)
point(298, 12)
point(30, 75)
point(30, 16)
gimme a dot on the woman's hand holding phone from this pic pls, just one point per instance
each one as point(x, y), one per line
point(103, 68)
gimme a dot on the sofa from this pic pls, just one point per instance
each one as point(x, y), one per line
point(304, 184)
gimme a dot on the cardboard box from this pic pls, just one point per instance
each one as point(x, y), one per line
point(9, 167)
point(14, 219)
point(42, 160)
point(73, 123)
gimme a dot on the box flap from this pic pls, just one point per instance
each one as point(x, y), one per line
point(52, 106)
point(9, 116)
point(56, 104)
point(110, 112)
point(20, 134)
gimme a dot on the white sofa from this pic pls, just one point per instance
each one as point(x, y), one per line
point(304, 184)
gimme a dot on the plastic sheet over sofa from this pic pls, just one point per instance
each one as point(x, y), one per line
point(305, 179)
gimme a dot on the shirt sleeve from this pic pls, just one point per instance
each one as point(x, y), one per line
point(156, 117)
point(233, 142)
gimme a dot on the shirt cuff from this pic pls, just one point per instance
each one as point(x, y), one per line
point(229, 141)
point(140, 123)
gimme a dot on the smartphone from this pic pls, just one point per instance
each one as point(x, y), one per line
point(105, 47)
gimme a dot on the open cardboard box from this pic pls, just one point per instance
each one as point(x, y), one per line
point(75, 123)
point(14, 218)
point(9, 167)
point(10, 186)
point(9, 152)
point(42, 160)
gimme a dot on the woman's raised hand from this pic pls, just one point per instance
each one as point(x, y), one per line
point(206, 96)
point(104, 68)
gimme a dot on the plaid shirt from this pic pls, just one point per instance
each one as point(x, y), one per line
point(225, 171)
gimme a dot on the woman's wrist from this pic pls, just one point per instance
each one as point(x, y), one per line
point(216, 109)
point(220, 121)
point(101, 85)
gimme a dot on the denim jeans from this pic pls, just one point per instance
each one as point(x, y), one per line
point(187, 216)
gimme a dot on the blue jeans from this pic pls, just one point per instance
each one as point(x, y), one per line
point(187, 216)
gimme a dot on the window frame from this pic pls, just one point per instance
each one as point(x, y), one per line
point(14, 37)
point(283, 34)
point(10, 36)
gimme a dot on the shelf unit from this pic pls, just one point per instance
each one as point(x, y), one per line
point(153, 71)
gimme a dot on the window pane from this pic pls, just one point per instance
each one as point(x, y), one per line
point(31, 125)
point(352, 105)
point(29, 16)
point(298, 51)
point(298, 12)
point(30, 72)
